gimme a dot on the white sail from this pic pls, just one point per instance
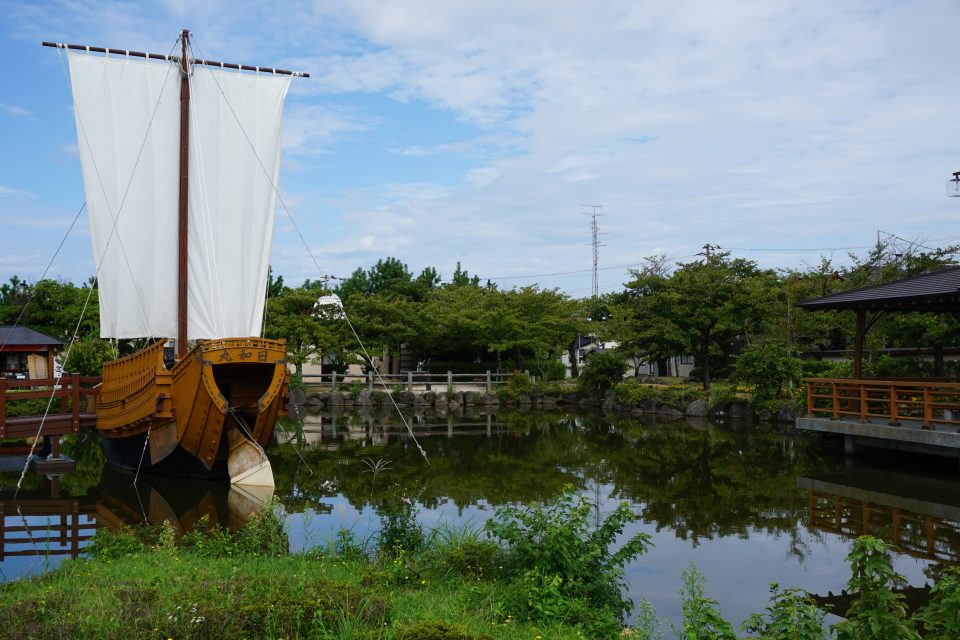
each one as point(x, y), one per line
point(128, 123)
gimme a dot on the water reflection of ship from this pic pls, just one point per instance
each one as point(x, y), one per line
point(180, 501)
point(46, 523)
point(920, 515)
point(329, 430)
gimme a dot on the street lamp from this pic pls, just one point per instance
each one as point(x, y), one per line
point(953, 185)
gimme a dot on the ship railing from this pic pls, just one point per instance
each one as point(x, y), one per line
point(931, 402)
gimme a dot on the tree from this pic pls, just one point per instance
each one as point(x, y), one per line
point(462, 278)
point(704, 308)
point(293, 316)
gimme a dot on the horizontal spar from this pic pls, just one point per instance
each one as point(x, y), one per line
point(162, 56)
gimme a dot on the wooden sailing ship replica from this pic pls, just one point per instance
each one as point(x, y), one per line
point(180, 160)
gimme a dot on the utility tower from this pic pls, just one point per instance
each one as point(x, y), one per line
point(595, 232)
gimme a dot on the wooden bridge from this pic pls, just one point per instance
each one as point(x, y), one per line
point(71, 401)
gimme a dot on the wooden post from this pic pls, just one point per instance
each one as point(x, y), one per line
point(449, 381)
point(75, 409)
point(864, 408)
point(836, 400)
point(809, 399)
point(927, 409)
point(858, 344)
point(894, 407)
point(54, 447)
point(488, 382)
point(3, 410)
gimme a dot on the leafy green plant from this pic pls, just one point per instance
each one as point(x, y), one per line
point(555, 546)
point(434, 630)
point(941, 616)
point(721, 394)
point(399, 529)
point(877, 611)
point(518, 384)
point(791, 615)
point(633, 392)
point(767, 366)
point(701, 615)
point(601, 372)
point(87, 355)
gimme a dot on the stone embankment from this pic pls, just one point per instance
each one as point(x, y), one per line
point(738, 409)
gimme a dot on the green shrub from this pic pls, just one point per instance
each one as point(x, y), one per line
point(87, 355)
point(632, 392)
point(767, 367)
point(941, 616)
point(399, 530)
point(433, 630)
point(825, 369)
point(554, 552)
point(720, 394)
point(115, 544)
point(518, 384)
point(701, 615)
point(791, 615)
point(601, 372)
point(877, 611)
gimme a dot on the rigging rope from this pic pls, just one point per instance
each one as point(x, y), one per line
point(33, 294)
point(314, 259)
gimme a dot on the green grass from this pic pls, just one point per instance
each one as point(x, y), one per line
point(163, 590)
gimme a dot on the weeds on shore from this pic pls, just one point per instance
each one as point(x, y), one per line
point(537, 571)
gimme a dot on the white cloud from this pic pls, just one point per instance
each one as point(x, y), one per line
point(14, 110)
point(10, 191)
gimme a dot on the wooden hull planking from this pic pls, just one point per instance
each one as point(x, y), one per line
point(218, 386)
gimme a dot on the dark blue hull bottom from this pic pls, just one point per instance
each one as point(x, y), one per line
point(126, 453)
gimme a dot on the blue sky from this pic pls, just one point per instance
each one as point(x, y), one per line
point(437, 131)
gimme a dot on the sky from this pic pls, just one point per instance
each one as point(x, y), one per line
point(437, 131)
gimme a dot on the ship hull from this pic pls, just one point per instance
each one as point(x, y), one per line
point(125, 454)
point(183, 420)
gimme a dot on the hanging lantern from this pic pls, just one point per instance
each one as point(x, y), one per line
point(953, 185)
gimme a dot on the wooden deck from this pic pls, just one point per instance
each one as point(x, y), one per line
point(911, 415)
point(72, 402)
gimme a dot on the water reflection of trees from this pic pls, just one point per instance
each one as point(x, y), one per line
point(696, 478)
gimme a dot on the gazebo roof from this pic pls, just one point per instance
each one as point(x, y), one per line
point(931, 292)
point(22, 336)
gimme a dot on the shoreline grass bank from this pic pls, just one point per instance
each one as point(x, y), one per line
point(535, 572)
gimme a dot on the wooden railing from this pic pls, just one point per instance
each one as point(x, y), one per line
point(411, 380)
point(929, 402)
point(73, 399)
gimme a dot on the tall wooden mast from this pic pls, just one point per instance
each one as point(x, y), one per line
point(184, 176)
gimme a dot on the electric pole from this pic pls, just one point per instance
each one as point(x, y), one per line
point(708, 250)
point(595, 232)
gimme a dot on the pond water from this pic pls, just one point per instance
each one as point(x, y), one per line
point(747, 504)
